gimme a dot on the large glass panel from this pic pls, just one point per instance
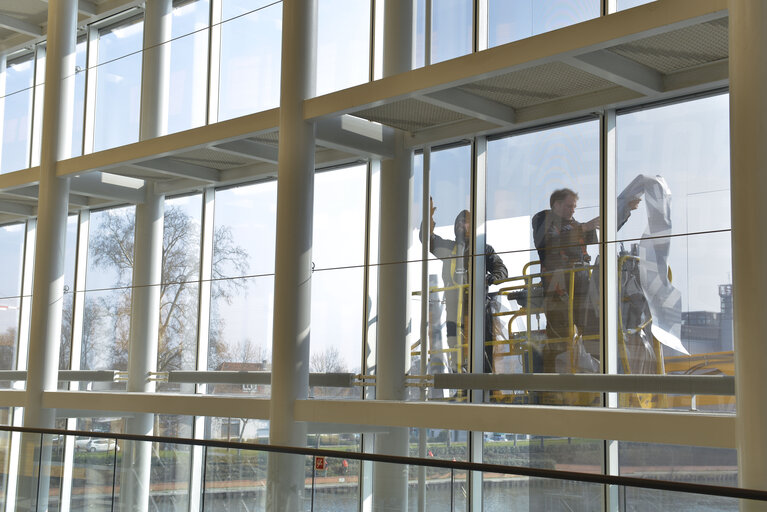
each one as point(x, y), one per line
point(250, 79)
point(449, 266)
point(234, 479)
point(451, 29)
point(511, 21)
point(343, 46)
point(674, 256)
point(179, 290)
point(188, 65)
point(106, 321)
point(78, 119)
point(5, 453)
point(171, 465)
point(11, 259)
point(337, 283)
point(241, 430)
point(242, 292)
point(93, 468)
point(628, 4)
point(17, 113)
point(65, 352)
point(118, 89)
point(542, 207)
point(564, 454)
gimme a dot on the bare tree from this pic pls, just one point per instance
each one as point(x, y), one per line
point(8, 348)
point(327, 361)
point(112, 247)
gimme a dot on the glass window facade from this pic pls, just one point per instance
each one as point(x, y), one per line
point(597, 244)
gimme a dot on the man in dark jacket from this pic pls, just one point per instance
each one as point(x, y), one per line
point(456, 265)
point(561, 242)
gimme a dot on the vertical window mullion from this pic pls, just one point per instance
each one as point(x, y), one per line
point(38, 92)
point(3, 75)
point(214, 61)
point(478, 210)
point(89, 110)
point(203, 327)
point(78, 308)
point(480, 25)
point(609, 299)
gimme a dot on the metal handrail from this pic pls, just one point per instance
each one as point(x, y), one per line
point(577, 476)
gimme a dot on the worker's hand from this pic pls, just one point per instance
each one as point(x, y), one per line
point(592, 224)
point(432, 209)
point(634, 203)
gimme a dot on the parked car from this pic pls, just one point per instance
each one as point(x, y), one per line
point(92, 444)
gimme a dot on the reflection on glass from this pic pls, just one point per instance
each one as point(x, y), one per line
point(343, 44)
point(542, 207)
point(675, 291)
point(106, 317)
point(250, 80)
point(511, 21)
point(11, 258)
point(17, 113)
point(188, 65)
point(179, 291)
point(118, 91)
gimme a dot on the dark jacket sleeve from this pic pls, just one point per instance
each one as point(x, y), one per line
point(494, 266)
point(438, 246)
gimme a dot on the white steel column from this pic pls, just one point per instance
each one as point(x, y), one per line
point(147, 258)
point(48, 289)
point(608, 279)
point(203, 333)
point(390, 481)
point(293, 255)
point(748, 153)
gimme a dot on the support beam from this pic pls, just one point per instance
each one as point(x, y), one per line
point(17, 209)
point(250, 149)
point(355, 135)
point(20, 26)
point(472, 105)
point(748, 154)
point(32, 192)
point(98, 184)
point(171, 167)
point(86, 7)
point(293, 255)
point(620, 70)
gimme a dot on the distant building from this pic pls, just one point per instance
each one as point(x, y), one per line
point(709, 331)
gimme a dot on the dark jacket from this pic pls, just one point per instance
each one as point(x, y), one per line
point(560, 243)
point(456, 257)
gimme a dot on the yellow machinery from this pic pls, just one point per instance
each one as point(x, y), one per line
point(527, 290)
